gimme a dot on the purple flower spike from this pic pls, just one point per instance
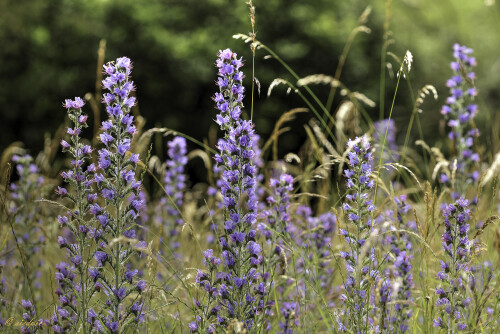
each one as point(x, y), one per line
point(169, 210)
point(400, 267)
point(459, 112)
point(26, 216)
point(236, 166)
point(122, 206)
point(455, 270)
point(359, 206)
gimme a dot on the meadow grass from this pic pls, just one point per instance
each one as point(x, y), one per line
point(305, 290)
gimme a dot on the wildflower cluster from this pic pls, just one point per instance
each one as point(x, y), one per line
point(290, 312)
point(316, 241)
point(401, 254)
point(312, 235)
point(29, 325)
point(455, 272)
point(236, 291)
point(459, 111)
point(358, 209)
point(269, 265)
point(485, 295)
point(278, 232)
point(27, 219)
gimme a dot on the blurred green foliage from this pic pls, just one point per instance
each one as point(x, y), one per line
point(48, 53)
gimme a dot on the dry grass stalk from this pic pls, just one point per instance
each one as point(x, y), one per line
point(322, 139)
point(360, 28)
point(273, 139)
point(346, 120)
point(485, 225)
point(493, 171)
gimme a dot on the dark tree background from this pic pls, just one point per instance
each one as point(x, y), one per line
point(49, 52)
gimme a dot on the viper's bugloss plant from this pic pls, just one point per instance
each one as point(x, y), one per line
point(278, 215)
point(399, 269)
point(235, 295)
point(27, 219)
point(358, 208)
point(459, 111)
point(385, 296)
point(485, 297)
point(311, 237)
point(381, 128)
point(277, 232)
point(30, 324)
point(260, 190)
point(75, 286)
point(116, 182)
point(315, 239)
point(290, 313)
point(174, 182)
point(455, 271)
point(142, 213)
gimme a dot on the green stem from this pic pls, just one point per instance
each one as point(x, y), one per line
point(385, 137)
point(309, 91)
point(253, 85)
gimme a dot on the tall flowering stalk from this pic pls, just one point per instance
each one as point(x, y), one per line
point(27, 219)
point(400, 269)
point(455, 271)
point(358, 208)
point(241, 253)
point(277, 232)
point(312, 235)
point(236, 293)
point(290, 312)
point(122, 310)
point(485, 294)
point(259, 178)
point(459, 111)
point(75, 287)
point(30, 324)
point(277, 215)
point(175, 183)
